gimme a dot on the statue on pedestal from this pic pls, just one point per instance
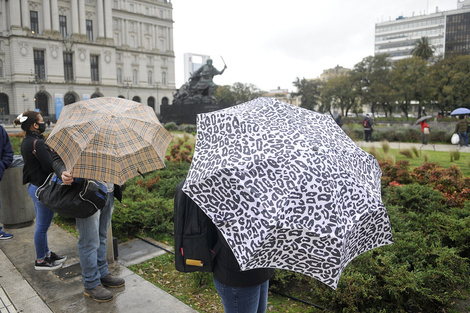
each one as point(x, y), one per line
point(200, 85)
point(194, 97)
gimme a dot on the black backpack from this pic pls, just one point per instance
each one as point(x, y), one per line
point(196, 242)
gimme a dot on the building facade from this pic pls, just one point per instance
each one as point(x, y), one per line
point(448, 32)
point(56, 52)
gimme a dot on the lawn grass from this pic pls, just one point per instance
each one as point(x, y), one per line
point(442, 158)
point(197, 289)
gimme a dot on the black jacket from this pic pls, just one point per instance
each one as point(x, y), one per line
point(227, 270)
point(36, 168)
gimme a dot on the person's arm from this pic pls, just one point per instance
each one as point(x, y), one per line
point(7, 151)
point(60, 170)
point(43, 154)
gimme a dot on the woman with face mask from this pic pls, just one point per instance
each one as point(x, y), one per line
point(37, 166)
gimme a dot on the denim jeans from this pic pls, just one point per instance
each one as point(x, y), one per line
point(93, 232)
point(43, 221)
point(243, 299)
point(463, 139)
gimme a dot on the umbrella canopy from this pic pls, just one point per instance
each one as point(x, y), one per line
point(423, 118)
point(460, 111)
point(287, 188)
point(109, 139)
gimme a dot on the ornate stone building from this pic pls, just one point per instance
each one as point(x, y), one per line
point(56, 52)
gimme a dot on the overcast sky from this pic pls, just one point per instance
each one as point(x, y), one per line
point(271, 42)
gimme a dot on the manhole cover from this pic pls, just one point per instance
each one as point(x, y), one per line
point(70, 271)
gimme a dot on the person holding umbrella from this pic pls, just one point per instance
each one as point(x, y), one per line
point(425, 130)
point(461, 129)
point(240, 291)
point(37, 166)
point(128, 140)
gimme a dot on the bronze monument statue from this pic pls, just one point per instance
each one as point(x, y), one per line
point(195, 96)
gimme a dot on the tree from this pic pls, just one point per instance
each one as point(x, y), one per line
point(409, 82)
point(238, 93)
point(309, 92)
point(423, 49)
point(373, 74)
point(343, 92)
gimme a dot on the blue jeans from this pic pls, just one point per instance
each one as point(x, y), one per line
point(243, 299)
point(93, 232)
point(43, 221)
point(463, 138)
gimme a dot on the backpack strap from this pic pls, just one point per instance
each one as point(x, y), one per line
point(34, 148)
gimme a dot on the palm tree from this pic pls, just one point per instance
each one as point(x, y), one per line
point(423, 49)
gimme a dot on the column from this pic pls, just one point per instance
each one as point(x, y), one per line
point(140, 35)
point(74, 13)
point(47, 14)
point(82, 17)
point(125, 32)
point(100, 19)
point(24, 14)
point(108, 17)
point(55, 15)
point(170, 38)
point(3, 24)
point(155, 36)
point(15, 14)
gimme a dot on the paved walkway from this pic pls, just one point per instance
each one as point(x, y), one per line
point(23, 289)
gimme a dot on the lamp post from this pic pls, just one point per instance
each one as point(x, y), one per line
point(127, 80)
point(156, 89)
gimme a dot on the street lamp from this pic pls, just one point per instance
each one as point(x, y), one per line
point(156, 89)
point(127, 80)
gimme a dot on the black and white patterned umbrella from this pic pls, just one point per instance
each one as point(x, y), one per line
point(287, 188)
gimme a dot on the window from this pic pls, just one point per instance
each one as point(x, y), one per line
point(39, 67)
point(94, 64)
point(115, 4)
point(163, 78)
point(68, 66)
point(34, 21)
point(1, 69)
point(150, 77)
point(63, 25)
point(119, 75)
point(131, 7)
point(89, 29)
point(134, 77)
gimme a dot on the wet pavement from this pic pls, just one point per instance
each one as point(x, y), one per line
point(23, 289)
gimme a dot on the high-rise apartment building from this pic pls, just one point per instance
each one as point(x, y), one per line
point(448, 32)
point(56, 52)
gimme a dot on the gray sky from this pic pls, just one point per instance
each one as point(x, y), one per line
point(270, 42)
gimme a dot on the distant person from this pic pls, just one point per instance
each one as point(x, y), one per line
point(425, 130)
point(7, 158)
point(92, 240)
point(367, 125)
point(461, 129)
point(37, 167)
point(339, 120)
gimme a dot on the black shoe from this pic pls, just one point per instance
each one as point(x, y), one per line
point(99, 294)
point(113, 282)
point(46, 266)
point(56, 258)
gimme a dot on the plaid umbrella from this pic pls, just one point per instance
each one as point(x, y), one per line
point(109, 139)
point(287, 188)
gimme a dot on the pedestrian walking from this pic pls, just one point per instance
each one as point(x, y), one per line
point(425, 129)
point(7, 157)
point(461, 129)
point(37, 166)
point(339, 120)
point(367, 125)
